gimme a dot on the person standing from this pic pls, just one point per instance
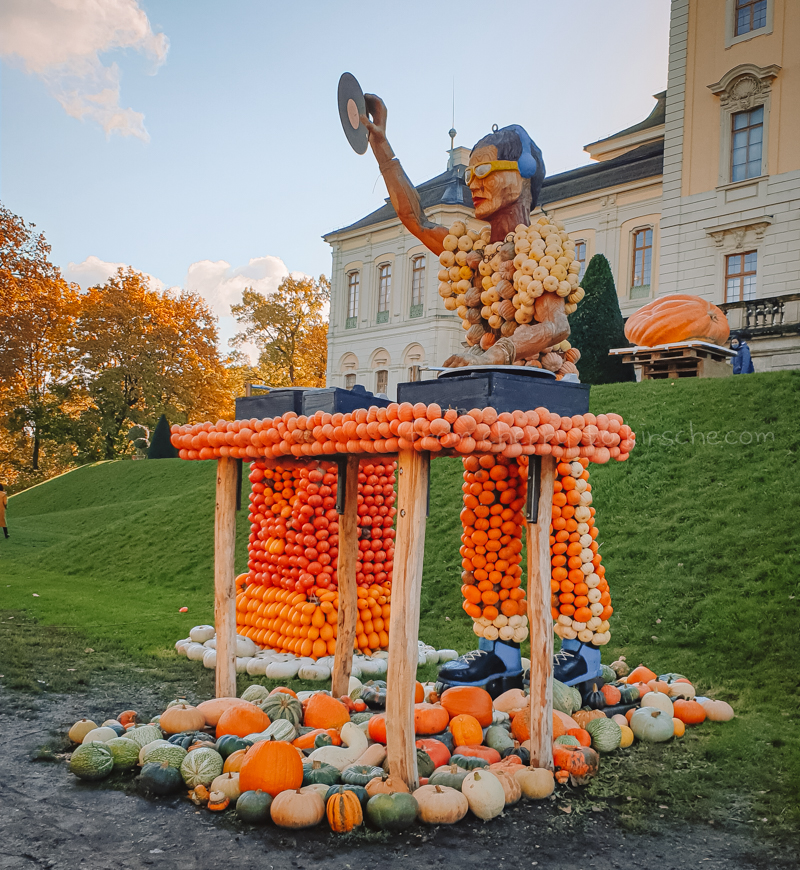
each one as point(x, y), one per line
point(742, 362)
point(3, 504)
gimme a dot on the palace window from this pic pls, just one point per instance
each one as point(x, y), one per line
point(642, 261)
point(417, 285)
point(750, 15)
point(746, 141)
point(384, 286)
point(580, 256)
point(349, 381)
point(353, 280)
point(740, 276)
point(381, 381)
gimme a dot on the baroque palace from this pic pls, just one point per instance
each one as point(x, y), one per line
point(703, 197)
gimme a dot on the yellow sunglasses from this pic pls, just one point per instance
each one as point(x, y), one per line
point(484, 169)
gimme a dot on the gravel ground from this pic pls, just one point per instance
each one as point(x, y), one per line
point(53, 820)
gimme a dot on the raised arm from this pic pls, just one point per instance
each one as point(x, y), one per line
point(402, 193)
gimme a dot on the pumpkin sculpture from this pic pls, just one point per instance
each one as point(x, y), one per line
point(679, 317)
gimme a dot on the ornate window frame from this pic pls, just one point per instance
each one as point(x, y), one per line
point(741, 89)
point(730, 24)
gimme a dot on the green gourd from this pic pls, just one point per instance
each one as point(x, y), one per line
point(425, 764)
point(281, 729)
point(373, 694)
point(468, 762)
point(498, 738)
point(201, 767)
point(628, 694)
point(568, 740)
point(607, 674)
point(606, 734)
point(125, 753)
point(652, 725)
point(318, 772)
point(322, 740)
point(360, 774)
point(253, 807)
point(451, 775)
point(160, 778)
point(363, 716)
point(447, 738)
point(228, 744)
point(92, 761)
point(563, 699)
point(282, 705)
point(392, 812)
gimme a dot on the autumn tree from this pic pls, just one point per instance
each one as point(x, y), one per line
point(142, 353)
point(290, 330)
point(37, 315)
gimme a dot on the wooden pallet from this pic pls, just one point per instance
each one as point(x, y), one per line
point(691, 359)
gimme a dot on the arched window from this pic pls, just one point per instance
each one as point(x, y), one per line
point(580, 256)
point(353, 281)
point(381, 381)
point(384, 288)
point(417, 285)
point(641, 262)
point(349, 381)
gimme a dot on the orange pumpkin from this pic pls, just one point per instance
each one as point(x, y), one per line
point(469, 699)
point(581, 735)
point(611, 694)
point(689, 712)
point(233, 763)
point(213, 709)
point(306, 741)
point(272, 766)
point(438, 752)
point(641, 674)
point(679, 317)
point(429, 718)
point(419, 692)
point(579, 762)
point(284, 691)
point(466, 729)
point(521, 725)
point(376, 728)
point(324, 711)
point(241, 720)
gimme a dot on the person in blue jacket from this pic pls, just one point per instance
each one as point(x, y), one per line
point(742, 363)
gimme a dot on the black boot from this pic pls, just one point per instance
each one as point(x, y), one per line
point(495, 666)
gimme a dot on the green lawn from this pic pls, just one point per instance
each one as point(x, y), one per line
point(699, 539)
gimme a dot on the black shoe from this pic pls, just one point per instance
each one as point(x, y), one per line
point(485, 668)
point(575, 666)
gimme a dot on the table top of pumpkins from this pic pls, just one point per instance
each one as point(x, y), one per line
point(599, 438)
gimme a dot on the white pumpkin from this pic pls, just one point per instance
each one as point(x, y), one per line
point(440, 805)
point(536, 783)
point(195, 652)
point(484, 793)
point(717, 711)
point(447, 655)
point(658, 700)
point(353, 684)
point(99, 735)
point(210, 659)
point(285, 670)
point(245, 648)
point(682, 690)
point(355, 745)
point(619, 719)
point(80, 729)
point(228, 784)
point(180, 645)
point(315, 673)
point(211, 644)
point(241, 664)
point(202, 633)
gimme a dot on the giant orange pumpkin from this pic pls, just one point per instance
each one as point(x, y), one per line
point(679, 317)
point(323, 711)
point(272, 766)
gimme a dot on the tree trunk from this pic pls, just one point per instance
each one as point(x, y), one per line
point(36, 446)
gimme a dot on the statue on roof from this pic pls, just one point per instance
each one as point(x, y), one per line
point(511, 283)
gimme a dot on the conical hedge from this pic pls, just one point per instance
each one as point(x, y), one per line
point(597, 326)
point(160, 445)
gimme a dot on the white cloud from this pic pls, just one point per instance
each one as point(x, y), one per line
point(221, 284)
point(93, 271)
point(61, 42)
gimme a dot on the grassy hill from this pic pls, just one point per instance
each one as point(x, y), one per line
point(698, 531)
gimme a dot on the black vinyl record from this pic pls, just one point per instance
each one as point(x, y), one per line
point(351, 106)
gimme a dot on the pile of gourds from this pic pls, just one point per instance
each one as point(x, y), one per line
point(300, 758)
point(493, 286)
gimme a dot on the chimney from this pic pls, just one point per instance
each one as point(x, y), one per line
point(459, 156)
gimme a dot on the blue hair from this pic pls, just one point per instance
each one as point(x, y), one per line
point(514, 143)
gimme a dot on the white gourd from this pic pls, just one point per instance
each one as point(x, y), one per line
point(484, 793)
point(195, 652)
point(285, 670)
point(210, 659)
point(316, 673)
point(100, 735)
point(355, 744)
point(202, 633)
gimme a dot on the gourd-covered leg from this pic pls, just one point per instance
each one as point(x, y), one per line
point(492, 520)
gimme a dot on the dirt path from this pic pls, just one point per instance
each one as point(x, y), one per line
point(52, 820)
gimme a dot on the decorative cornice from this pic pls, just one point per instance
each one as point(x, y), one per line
point(739, 230)
point(745, 86)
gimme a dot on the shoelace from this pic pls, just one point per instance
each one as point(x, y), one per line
point(563, 656)
point(473, 654)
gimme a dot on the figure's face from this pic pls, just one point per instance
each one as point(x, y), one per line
point(496, 190)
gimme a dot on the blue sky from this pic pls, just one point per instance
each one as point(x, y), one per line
point(246, 164)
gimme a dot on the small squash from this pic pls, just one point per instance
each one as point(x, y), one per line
point(252, 807)
point(678, 728)
point(319, 772)
point(282, 705)
point(536, 783)
point(511, 788)
point(392, 812)
point(596, 699)
point(373, 694)
point(386, 785)
point(689, 712)
point(641, 674)
point(228, 784)
point(440, 805)
point(218, 801)
point(625, 737)
point(359, 791)
point(579, 762)
point(201, 767)
point(160, 779)
point(469, 762)
point(359, 774)
point(80, 729)
point(606, 734)
point(297, 809)
point(344, 812)
point(430, 718)
point(450, 776)
point(233, 763)
point(514, 700)
point(484, 793)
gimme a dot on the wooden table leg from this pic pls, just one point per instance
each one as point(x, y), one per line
point(540, 619)
point(412, 493)
point(225, 577)
point(348, 589)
